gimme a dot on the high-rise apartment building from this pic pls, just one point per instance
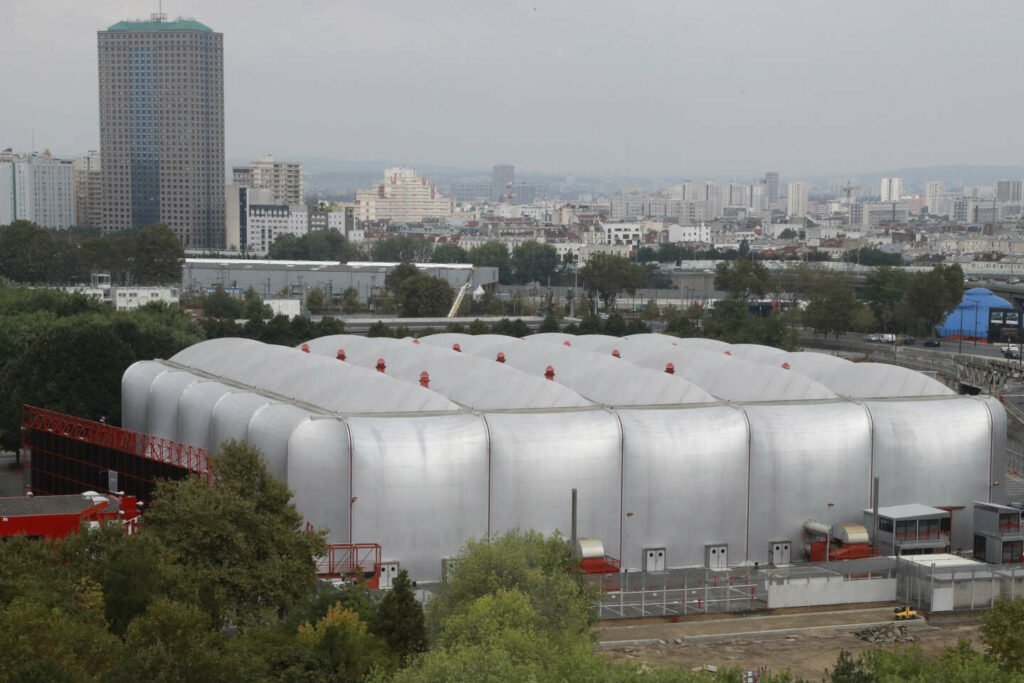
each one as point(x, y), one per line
point(892, 189)
point(403, 197)
point(89, 190)
point(162, 128)
point(933, 196)
point(282, 178)
point(796, 200)
point(771, 179)
point(1008, 190)
point(501, 176)
point(37, 188)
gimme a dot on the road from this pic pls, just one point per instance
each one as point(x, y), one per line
point(948, 348)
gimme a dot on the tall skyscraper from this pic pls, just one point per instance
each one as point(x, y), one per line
point(501, 176)
point(933, 196)
point(1008, 190)
point(162, 128)
point(771, 179)
point(796, 200)
point(892, 189)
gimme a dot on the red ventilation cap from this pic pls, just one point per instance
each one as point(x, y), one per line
point(785, 366)
point(341, 354)
point(501, 357)
point(425, 380)
point(566, 343)
point(305, 348)
point(615, 352)
point(670, 369)
point(728, 353)
point(549, 372)
point(380, 365)
point(456, 347)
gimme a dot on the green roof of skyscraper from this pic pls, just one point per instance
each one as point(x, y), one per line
point(179, 25)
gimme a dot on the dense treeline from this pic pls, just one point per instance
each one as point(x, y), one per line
point(30, 254)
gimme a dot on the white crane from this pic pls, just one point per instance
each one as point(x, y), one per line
point(462, 293)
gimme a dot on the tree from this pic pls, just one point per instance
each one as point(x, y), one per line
point(31, 254)
point(885, 290)
point(549, 324)
point(742, 279)
point(494, 254)
point(315, 300)
point(832, 308)
point(350, 302)
point(534, 262)
point(402, 248)
point(933, 295)
point(158, 256)
point(788, 234)
point(449, 252)
point(220, 304)
point(650, 311)
point(318, 245)
point(1003, 632)
point(253, 307)
point(423, 296)
point(399, 274)
point(341, 641)
point(239, 538)
point(606, 275)
point(399, 620)
point(176, 642)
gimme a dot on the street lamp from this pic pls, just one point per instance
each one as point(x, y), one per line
point(828, 537)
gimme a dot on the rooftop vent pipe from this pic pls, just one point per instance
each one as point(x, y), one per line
point(615, 352)
point(549, 373)
point(341, 354)
point(785, 366)
point(415, 341)
point(425, 380)
point(305, 348)
point(566, 343)
point(456, 347)
point(501, 357)
point(728, 353)
point(380, 365)
point(670, 369)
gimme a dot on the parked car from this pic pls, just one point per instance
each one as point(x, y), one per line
point(872, 337)
point(1013, 281)
point(907, 340)
point(1011, 350)
point(932, 342)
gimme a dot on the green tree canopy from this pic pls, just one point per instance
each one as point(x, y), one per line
point(449, 252)
point(402, 248)
point(423, 296)
point(494, 254)
point(743, 279)
point(607, 275)
point(317, 245)
point(534, 262)
point(158, 256)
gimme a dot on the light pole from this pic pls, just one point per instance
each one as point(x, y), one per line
point(828, 537)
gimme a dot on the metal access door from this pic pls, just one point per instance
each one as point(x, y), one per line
point(388, 574)
point(716, 556)
point(654, 559)
point(780, 552)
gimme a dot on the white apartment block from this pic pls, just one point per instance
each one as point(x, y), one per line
point(689, 233)
point(579, 254)
point(892, 189)
point(796, 200)
point(403, 197)
point(37, 188)
point(629, 234)
point(282, 178)
point(268, 222)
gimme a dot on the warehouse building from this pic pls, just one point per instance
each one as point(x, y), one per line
point(675, 445)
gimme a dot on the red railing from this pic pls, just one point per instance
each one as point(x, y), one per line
point(355, 560)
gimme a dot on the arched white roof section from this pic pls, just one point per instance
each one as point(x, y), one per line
point(314, 379)
point(135, 385)
point(599, 377)
point(735, 379)
point(881, 380)
point(465, 378)
point(757, 353)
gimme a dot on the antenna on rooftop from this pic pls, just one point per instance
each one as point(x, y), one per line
point(159, 16)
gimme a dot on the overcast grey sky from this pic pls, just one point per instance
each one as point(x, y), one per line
point(699, 87)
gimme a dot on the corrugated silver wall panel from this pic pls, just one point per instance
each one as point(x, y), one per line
point(232, 415)
point(684, 483)
point(269, 431)
point(934, 452)
point(164, 396)
point(420, 486)
point(319, 471)
point(135, 385)
point(195, 412)
point(803, 457)
point(536, 461)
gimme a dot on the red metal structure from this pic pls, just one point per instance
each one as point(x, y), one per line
point(68, 455)
point(600, 565)
point(53, 517)
point(351, 562)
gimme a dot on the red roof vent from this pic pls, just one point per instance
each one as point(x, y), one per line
point(728, 353)
point(615, 352)
point(305, 348)
point(415, 341)
point(380, 365)
point(501, 357)
point(549, 373)
point(341, 354)
point(425, 380)
point(567, 343)
point(456, 347)
point(785, 366)
point(670, 369)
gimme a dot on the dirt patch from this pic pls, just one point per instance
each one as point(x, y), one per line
point(806, 655)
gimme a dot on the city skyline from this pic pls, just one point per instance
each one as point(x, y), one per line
point(789, 87)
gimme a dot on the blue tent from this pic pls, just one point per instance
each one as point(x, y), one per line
point(970, 319)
